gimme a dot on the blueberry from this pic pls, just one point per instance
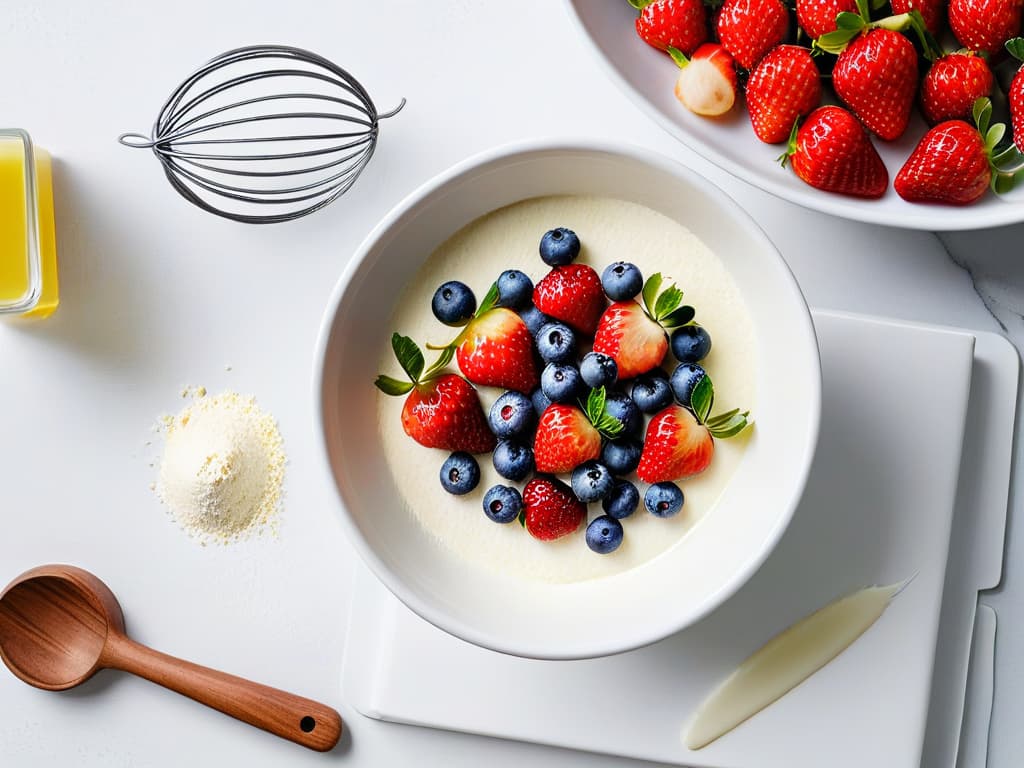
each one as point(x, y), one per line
point(663, 499)
point(621, 281)
point(604, 534)
point(599, 369)
point(502, 503)
point(556, 343)
point(559, 247)
point(651, 393)
point(540, 401)
point(621, 456)
point(460, 473)
point(684, 379)
point(512, 414)
point(512, 460)
point(515, 289)
point(561, 382)
point(690, 343)
point(591, 481)
point(622, 500)
point(622, 407)
point(454, 303)
point(534, 318)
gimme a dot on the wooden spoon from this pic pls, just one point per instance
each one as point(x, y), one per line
point(60, 624)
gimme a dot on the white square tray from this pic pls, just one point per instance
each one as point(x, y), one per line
point(879, 508)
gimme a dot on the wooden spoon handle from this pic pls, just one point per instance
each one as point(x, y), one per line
point(291, 717)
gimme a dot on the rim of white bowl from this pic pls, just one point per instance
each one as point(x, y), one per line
point(655, 630)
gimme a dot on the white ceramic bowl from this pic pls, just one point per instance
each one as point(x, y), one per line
point(640, 606)
point(648, 76)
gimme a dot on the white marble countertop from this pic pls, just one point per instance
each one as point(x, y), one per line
point(158, 295)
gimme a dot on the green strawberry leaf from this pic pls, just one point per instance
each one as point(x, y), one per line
point(678, 56)
point(668, 302)
point(877, 5)
point(1003, 182)
point(1015, 45)
point(651, 289)
point(681, 316)
point(731, 427)
point(981, 111)
point(603, 421)
point(994, 136)
point(595, 403)
point(721, 418)
point(702, 398)
point(836, 42)
point(447, 353)
point(849, 21)
point(393, 387)
point(522, 517)
point(640, 4)
point(863, 9)
point(409, 356)
point(489, 302)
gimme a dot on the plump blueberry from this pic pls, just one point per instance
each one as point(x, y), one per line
point(621, 456)
point(621, 406)
point(690, 343)
point(515, 289)
point(534, 318)
point(621, 281)
point(663, 499)
point(559, 247)
point(454, 303)
point(604, 534)
point(561, 382)
point(591, 481)
point(651, 393)
point(685, 377)
point(622, 500)
point(540, 401)
point(460, 473)
point(512, 460)
point(599, 369)
point(512, 414)
point(502, 503)
point(556, 343)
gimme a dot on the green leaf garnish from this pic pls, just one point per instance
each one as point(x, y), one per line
point(681, 316)
point(668, 302)
point(640, 4)
point(390, 386)
point(409, 355)
point(650, 292)
point(603, 421)
point(490, 301)
point(848, 20)
point(1015, 45)
point(447, 353)
point(522, 517)
point(730, 427)
point(702, 398)
point(678, 56)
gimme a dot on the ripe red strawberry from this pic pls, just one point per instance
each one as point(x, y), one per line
point(784, 86)
point(816, 17)
point(833, 152)
point(567, 436)
point(634, 336)
point(876, 76)
point(750, 28)
point(1016, 94)
point(707, 83)
point(572, 294)
point(442, 410)
point(680, 24)
point(985, 25)
point(952, 85)
point(551, 510)
point(932, 11)
point(496, 349)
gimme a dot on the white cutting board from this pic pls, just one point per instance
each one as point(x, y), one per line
point(878, 508)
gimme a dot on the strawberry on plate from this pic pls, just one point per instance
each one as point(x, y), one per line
point(1016, 94)
point(442, 410)
point(679, 24)
point(833, 152)
point(681, 442)
point(634, 335)
point(550, 509)
point(985, 25)
point(750, 28)
point(952, 84)
point(572, 294)
point(817, 17)
point(568, 436)
point(785, 85)
point(707, 80)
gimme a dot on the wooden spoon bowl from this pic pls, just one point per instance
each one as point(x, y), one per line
point(60, 624)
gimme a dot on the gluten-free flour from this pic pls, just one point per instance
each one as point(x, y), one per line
point(222, 468)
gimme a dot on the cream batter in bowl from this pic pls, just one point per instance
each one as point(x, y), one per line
point(493, 585)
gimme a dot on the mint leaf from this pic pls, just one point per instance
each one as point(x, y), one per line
point(651, 290)
point(390, 386)
point(595, 404)
point(721, 418)
point(408, 354)
point(702, 398)
point(681, 316)
point(732, 426)
point(668, 302)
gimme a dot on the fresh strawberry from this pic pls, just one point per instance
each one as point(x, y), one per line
point(707, 83)
point(442, 410)
point(784, 86)
point(572, 294)
point(833, 152)
point(1016, 94)
point(952, 85)
point(750, 28)
point(566, 436)
point(634, 336)
point(955, 162)
point(680, 442)
point(679, 24)
point(932, 11)
point(876, 76)
point(985, 25)
point(550, 510)
point(816, 17)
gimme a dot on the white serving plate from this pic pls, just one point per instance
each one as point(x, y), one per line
point(648, 77)
point(879, 507)
point(669, 592)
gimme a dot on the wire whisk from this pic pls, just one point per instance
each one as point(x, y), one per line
point(264, 134)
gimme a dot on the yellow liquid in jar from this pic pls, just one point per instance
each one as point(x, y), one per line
point(15, 275)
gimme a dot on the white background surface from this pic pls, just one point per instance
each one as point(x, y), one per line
point(158, 295)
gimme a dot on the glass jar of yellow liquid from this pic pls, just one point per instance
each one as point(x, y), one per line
point(28, 247)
